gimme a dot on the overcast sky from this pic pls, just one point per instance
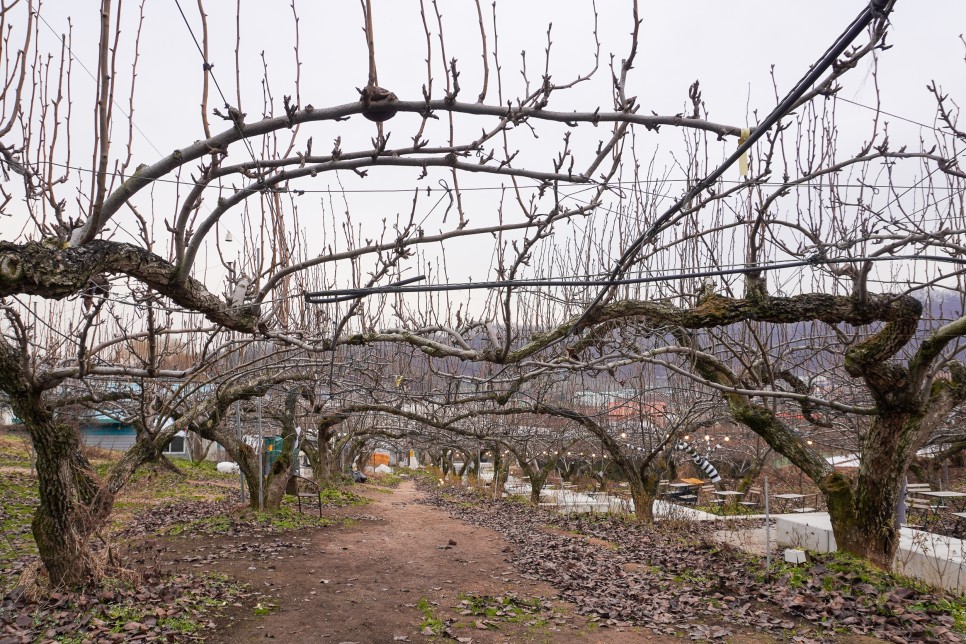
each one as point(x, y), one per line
point(731, 47)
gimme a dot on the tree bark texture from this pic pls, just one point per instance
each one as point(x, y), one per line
point(52, 270)
point(74, 503)
point(537, 474)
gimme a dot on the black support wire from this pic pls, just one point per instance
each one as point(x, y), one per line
point(331, 297)
point(341, 295)
point(874, 9)
point(206, 66)
point(430, 190)
point(80, 62)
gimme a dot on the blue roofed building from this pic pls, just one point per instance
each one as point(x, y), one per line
point(105, 432)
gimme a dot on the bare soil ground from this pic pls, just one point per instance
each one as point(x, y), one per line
point(395, 570)
point(439, 564)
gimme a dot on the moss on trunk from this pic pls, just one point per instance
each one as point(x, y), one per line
point(74, 503)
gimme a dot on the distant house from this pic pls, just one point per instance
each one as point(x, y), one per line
point(99, 430)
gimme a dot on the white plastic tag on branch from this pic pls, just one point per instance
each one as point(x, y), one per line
point(743, 159)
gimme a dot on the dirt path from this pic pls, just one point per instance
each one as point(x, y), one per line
point(388, 575)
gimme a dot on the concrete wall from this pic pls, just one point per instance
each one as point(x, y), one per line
point(935, 559)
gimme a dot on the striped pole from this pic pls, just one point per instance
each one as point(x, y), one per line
point(700, 461)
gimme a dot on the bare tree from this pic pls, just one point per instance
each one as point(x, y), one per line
point(67, 265)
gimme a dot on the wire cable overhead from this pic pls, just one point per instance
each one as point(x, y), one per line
point(340, 295)
point(874, 9)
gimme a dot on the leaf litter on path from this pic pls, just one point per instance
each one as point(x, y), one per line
point(676, 579)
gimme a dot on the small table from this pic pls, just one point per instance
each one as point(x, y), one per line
point(681, 490)
point(789, 497)
point(946, 495)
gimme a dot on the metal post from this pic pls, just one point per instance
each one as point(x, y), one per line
point(241, 439)
point(901, 503)
point(261, 460)
point(767, 531)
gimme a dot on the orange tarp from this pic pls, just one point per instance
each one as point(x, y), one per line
point(379, 459)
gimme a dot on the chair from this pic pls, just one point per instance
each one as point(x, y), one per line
point(921, 507)
point(752, 498)
point(708, 491)
point(664, 490)
point(686, 495)
point(295, 485)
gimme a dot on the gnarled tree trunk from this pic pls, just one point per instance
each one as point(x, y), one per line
point(871, 529)
point(280, 471)
point(643, 481)
point(73, 502)
point(322, 458)
point(643, 501)
point(537, 474)
point(322, 453)
point(465, 467)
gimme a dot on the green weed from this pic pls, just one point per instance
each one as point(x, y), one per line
point(180, 624)
point(285, 519)
point(15, 450)
point(386, 480)
point(430, 619)
point(18, 501)
point(202, 470)
point(953, 606)
point(339, 498)
point(508, 608)
point(691, 577)
point(74, 638)
point(264, 608)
